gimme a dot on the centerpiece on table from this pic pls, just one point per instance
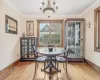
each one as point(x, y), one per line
point(50, 47)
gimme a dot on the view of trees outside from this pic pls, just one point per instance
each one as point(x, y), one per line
point(45, 39)
point(50, 33)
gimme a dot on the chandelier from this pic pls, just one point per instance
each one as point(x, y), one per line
point(49, 8)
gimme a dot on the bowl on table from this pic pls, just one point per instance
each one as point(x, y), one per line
point(50, 49)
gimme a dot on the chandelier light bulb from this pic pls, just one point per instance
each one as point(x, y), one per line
point(40, 8)
point(43, 3)
point(56, 7)
point(54, 3)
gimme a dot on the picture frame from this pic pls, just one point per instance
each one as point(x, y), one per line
point(30, 28)
point(10, 25)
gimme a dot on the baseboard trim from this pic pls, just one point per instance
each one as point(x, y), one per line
point(6, 71)
point(95, 67)
point(75, 59)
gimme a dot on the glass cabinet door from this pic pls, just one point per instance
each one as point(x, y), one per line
point(82, 30)
point(24, 48)
point(28, 47)
point(31, 45)
point(75, 39)
point(71, 38)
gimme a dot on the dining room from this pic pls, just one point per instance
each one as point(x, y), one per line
point(49, 40)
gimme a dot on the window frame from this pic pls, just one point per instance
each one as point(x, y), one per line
point(49, 21)
point(96, 25)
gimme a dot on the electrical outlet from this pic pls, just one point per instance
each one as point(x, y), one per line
point(17, 55)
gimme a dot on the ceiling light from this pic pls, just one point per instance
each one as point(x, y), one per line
point(50, 7)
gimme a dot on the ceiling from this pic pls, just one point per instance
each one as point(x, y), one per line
point(32, 7)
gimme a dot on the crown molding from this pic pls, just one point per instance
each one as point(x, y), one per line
point(53, 16)
point(12, 6)
point(95, 4)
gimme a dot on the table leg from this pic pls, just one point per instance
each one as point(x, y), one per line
point(50, 65)
point(50, 71)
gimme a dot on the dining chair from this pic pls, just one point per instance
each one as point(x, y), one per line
point(38, 59)
point(64, 59)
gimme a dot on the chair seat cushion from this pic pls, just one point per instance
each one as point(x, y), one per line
point(60, 59)
point(41, 59)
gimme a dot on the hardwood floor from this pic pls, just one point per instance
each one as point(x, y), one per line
point(76, 71)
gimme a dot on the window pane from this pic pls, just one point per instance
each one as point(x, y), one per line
point(56, 33)
point(44, 33)
point(50, 33)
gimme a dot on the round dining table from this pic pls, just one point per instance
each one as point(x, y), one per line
point(51, 57)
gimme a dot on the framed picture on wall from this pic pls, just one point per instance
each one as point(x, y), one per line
point(30, 28)
point(10, 25)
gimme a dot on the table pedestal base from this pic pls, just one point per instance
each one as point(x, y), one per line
point(50, 66)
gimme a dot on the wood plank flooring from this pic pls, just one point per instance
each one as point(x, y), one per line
point(76, 71)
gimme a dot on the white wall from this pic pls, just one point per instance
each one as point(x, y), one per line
point(9, 43)
point(90, 54)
